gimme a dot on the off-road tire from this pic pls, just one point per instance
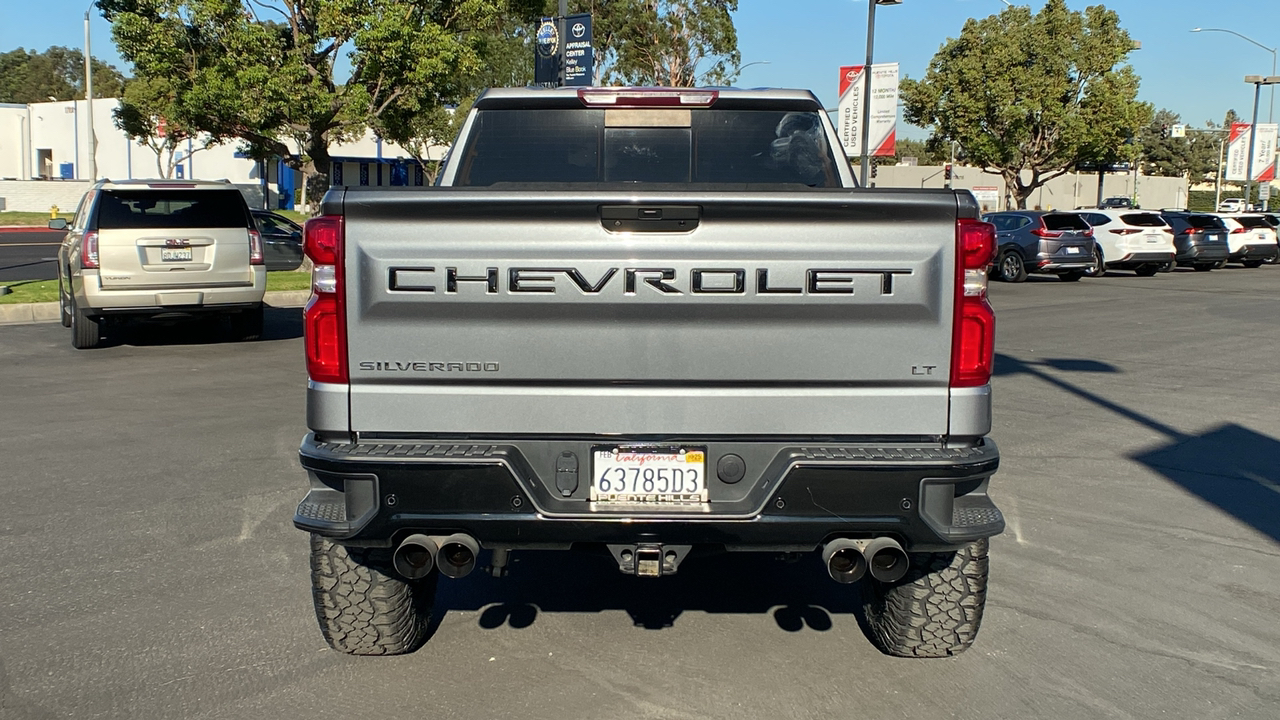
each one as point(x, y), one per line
point(1010, 267)
point(246, 325)
point(86, 332)
point(935, 610)
point(362, 606)
point(1071, 276)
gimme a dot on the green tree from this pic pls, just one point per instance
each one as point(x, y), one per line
point(57, 73)
point(924, 152)
point(264, 70)
point(1193, 156)
point(1029, 95)
point(148, 115)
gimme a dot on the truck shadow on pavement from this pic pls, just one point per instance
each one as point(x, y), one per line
point(1228, 466)
point(797, 593)
point(278, 324)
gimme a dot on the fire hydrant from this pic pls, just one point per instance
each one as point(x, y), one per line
point(53, 213)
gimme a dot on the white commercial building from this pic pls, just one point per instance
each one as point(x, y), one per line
point(49, 143)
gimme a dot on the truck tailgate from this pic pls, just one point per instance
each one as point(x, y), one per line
point(823, 312)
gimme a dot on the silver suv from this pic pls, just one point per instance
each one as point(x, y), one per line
point(159, 249)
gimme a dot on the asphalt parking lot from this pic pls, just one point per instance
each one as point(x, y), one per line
point(29, 254)
point(151, 570)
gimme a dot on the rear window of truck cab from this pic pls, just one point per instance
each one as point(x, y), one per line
point(647, 145)
point(171, 208)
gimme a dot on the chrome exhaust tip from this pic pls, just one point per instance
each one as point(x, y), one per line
point(844, 560)
point(886, 560)
point(415, 557)
point(458, 555)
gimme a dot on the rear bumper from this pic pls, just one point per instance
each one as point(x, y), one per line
point(1134, 260)
point(160, 300)
point(1255, 252)
point(1193, 253)
point(1061, 264)
point(513, 494)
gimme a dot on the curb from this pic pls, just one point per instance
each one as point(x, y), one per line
point(47, 312)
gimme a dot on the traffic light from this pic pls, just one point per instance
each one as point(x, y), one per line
point(946, 172)
point(1164, 130)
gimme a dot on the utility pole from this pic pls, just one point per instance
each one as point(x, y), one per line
point(560, 29)
point(1253, 137)
point(866, 95)
point(88, 96)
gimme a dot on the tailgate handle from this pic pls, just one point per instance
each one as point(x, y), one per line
point(650, 218)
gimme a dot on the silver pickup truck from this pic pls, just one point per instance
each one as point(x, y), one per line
point(657, 323)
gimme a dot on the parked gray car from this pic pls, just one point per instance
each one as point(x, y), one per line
point(281, 240)
point(1054, 243)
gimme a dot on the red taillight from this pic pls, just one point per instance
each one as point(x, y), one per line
point(1088, 233)
point(255, 247)
point(973, 334)
point(325, 317)
point(1237, 230)
point(1045, 232)
point(89, 251)
point(1191, 231)
point(1125, 231)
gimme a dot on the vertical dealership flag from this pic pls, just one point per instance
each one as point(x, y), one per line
point(884, 109)
point(1264, 152)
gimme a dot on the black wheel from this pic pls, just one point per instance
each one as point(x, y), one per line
point(64, 307)
point(1071, 276)
point(86, 332)
point(936, 609)
point(1204, 268)
point(1251, 263)
point(1147, 270)
point(1010, 267)
point(363, 606)
point(247, 325)
point(1098, 268)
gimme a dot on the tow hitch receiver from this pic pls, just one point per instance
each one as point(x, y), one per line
point(649, 559)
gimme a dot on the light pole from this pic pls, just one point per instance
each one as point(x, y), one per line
point(88, 96)
point(738, 70)
point(866, 86)
point(1272, 111)
point(1257, 81)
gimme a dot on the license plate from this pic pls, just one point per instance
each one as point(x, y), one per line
point(1073, 251)
point(175, 254)
point(649, 476)
point(1153, 238)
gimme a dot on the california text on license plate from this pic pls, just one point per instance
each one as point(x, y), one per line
point(175, 254)
point(638, 475)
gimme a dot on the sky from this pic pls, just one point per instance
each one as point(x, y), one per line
point(804, 42)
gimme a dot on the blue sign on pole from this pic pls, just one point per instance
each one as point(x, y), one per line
point(546, 53)
point(578, 55)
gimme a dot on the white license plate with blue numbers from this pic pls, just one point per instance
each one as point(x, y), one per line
point(649, 476)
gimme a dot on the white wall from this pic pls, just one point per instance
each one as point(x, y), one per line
point(39, 195)
point(62, 128)
point(1062, 193)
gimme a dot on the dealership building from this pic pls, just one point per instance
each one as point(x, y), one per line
point(46, 145)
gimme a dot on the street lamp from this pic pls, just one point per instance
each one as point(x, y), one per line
point(1271, 112)
point(738, 70)
point(866, 86)
point(88, 96)
point(1257, 81)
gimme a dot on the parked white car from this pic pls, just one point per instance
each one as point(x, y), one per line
point(1138, 240)
point(1231, 205)
point(1251, 240)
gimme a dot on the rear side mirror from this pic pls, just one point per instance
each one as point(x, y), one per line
point(58, 224)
